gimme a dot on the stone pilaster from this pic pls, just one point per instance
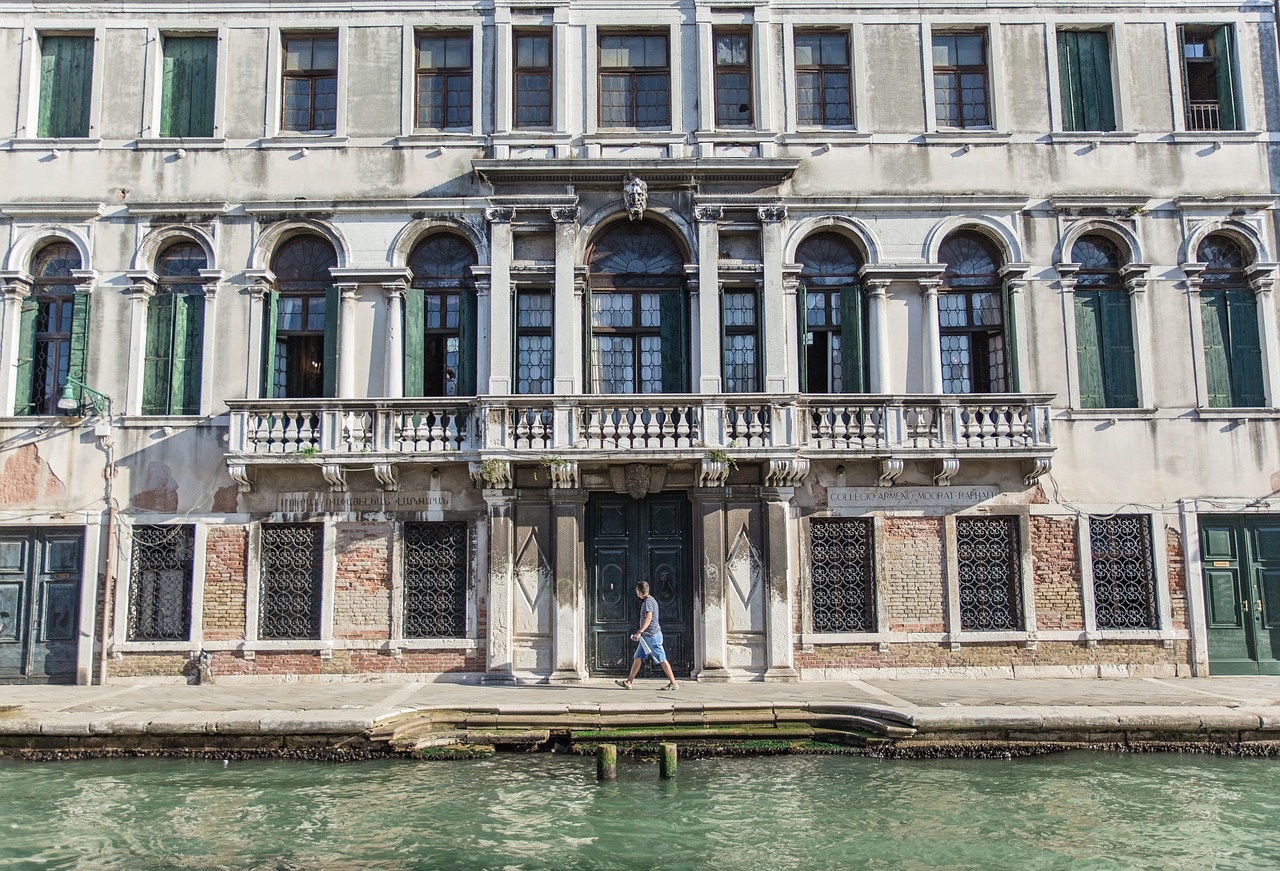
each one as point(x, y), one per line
point(931, 334)
point(500, 303)
point(708, 299)
point(569, 508)
point(708, 508)
point(773, 314)
point(566, 327)
point(499, 659)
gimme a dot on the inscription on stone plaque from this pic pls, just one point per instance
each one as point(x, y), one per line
point(860, 500)
point(374, 502)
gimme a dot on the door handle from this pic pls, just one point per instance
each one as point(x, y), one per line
point(1246, 606)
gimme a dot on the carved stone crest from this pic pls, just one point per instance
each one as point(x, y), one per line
point(635, 196)
point(637, 480)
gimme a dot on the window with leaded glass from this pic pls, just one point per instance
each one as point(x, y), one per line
point(301, 325)
point(436, 561)
point(440, 345)
point(290, 581)
point(971, 317)
point(533, 80)
point(1229, 318)
point(444, 80)
point(960, 92)
point(66, 85)
point(635, 80)
point(310, 83)
point(175, 332)
point(842, 575)
point(733, 78)
point(638, 317)
point(53, 332)
point(1124, 575)
point(740, 322)
point(989, 559)
point(824, 94)
point(533, 341)
point(160, 583)
point(833, 342)
point(1208, 82)
point(1104, 326)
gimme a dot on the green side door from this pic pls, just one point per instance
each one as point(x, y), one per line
point(1241, 570)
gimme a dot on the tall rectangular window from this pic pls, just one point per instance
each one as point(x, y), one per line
point(1232, 348)
point(299, 353)
point(635, 81)
point(740, 341)
point(824, 95)
point(66, 83)
point(960, 88)
point(842, 573)
point(972, 336)
point(290, 582)
point(1208, 83)
point(444, 80)
point(160, 583)
point(733, 78)
point(1124, 575)
point(988, 557)
point(533, 80)
point(533, 342)
point(175, 333)
point(436, 561)
point(310, 83)
point(188, 86)
point(1084, 71)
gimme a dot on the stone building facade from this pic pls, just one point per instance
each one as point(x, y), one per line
point(402, 340)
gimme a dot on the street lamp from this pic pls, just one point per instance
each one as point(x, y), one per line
point(69, 402)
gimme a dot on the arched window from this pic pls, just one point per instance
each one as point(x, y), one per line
point(637, 329)
point(175, 332)
point(833, 355)
point(1229, 316)
point(971, 317)
point(440, 315)
point(54, 331)
point(1104, 326)
point(302, 321)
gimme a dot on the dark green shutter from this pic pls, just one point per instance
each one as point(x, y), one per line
point(1084, 66)
point(852, 341)
point(467, 343)
point(190, 67)
point(26, 354)
point(802, 323)
point(188, 350)
point(1245, 350)
point(270, 317)
point(1182, 69)
point(332, 325)
point(414, 327)
point(675, 342)
point(1217, 363)
point(1089, 348)
point(1120, 378)
point(588, 384)
point(1226, 86)
point(79, 339)
point(66, 78)
point(157, 366)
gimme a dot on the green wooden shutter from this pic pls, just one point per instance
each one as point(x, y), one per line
point(675, 341)
point(188, 349)
point(1226, 85)
point(802, 327)
point(270, 318)
point(414, 327)
point(66, 78)
point(588, 385)
point(157, 364)
point(1084, 67)
point(1120, 381)
point(1245, 351)
point(1089, 348)
point(26, 354)
point(1217, 362)
point(79, 339)
point(190, 67)
point(467, 343)
point(852, 341)
point(332, 325)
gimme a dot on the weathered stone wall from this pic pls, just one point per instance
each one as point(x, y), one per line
point(1055, 561)
point(913, 574)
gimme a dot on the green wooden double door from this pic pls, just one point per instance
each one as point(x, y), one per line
point(1240, 556)
point(630, 540)
point(39, 605)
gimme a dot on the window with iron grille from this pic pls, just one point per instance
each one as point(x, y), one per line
point(533, 80)
point(289, 578)
point(824, 94)
point(741, 341)
point(444, 80)
point(160, 583)
point(1124, 575)
point(436, 559)
point(989, 560)
point(310, 83)
point(533, 342)
point(733, 78)
point(960, 80)
point(842, 575)
point(635, 80)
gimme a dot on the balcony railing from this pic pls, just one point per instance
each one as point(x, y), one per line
point(1204, 116)
point(673, 425)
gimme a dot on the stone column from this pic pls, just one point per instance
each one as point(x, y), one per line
point(1135, 281)
point(780, 481)
point(499, 661)
point(14, 291)
point(1193, 280)
point(481, 278)
point(1263, 280)
point(212, 281)
point(793, 325)
point(500, 300)
point(261, 281)
point(393, 386)
point(569, 509)
point(140, 293)
point(931, 337)
point(347, 340)
point(566, 341)
point(708, 509)
point(773, 316)
point(1018, 361)
point(707, 360)
point(880, 380)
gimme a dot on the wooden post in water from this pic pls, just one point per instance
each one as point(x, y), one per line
point(607, 762)
point(667, 762)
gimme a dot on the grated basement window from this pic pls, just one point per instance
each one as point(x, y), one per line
point(988, 555)
point(435, 579)
point(841, 555)
point(1124, 577)
point(289, 594)
point(160, 583)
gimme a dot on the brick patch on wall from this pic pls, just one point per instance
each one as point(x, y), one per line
point(362, 581)
point(913, 574)
point(353, 662)
point(1177, 578)
point(225, 577)
point(996, 655)
point(1055, 561)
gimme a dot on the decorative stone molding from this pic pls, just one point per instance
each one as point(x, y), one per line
point(492, 474)
point(1039, 466)
point(713, 473)
point(877, 286)
point(771, 214)
point(260, 281)
point(637, 480)
point(239, 473)
point(786, 472)
point(143, 282)
point(336, 476)
point(708, 214)
point(890, 470)
point(948, 467)
point(1262, 277)
point(635, 197)
point(500, 215)
point(386, 475)
point(212, 281)
point(564, 475)
point(564, 214)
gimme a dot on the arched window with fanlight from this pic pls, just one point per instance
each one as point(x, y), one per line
point(175, 332)
point(637, 312)
point(440, 318)
point(302, 321)
point(53, 335)
point(971, 317)
point(833, 346)
point(1104, 326)
point(1229, 317)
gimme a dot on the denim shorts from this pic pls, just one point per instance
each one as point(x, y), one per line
point(655, 650)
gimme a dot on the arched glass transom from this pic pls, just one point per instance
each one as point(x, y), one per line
point(832, 346)
point(1100, 262)
point(971, 316)
point(1224, 260)
point(182, 259)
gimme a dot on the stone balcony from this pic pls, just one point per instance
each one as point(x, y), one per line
point(569, 429)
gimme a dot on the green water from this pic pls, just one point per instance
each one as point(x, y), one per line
point(1077, 811)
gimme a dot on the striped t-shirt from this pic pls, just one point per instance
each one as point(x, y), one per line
point(650, 606)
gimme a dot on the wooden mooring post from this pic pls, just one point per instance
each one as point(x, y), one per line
point(667, 761)
point(607, 762)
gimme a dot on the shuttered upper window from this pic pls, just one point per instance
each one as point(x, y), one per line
point(1084, 68)
point(1104, 327)
point(1208, 84)
point(66, 79)
point(1229, 317)
point(175, 333)
point(187, 90)
point(54, 331)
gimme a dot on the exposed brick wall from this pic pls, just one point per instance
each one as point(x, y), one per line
point(1055, 561)
point(998, 655)
point(350, 662)
point(149, 665)
point(225, 577)
point(1177, 577)
point(362, 581)
point(914, 592)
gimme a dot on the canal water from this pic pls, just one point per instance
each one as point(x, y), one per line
point(1077, 811)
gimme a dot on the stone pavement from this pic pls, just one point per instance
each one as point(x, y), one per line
point(1014, 707)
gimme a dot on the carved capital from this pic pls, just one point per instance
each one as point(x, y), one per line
point(929, 286)
point(347, 291)
point(336, 476)
point(143, 283)
point(386, 475)
point(877, 286)
point(786, 472)
point(394, 290)
point(890, 471)
point(500, 215)
point(239, 473)
point(708, 214)
point(564, 214)
point(771, 214)
point(947, 469)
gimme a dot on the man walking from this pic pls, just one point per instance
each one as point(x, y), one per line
point(649, 636)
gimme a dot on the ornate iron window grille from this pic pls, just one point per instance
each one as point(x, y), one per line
point(1124, 577)
point(289, 595)
point(989, 559)
point(160, 583)
point(436, 559)
point(842, 573)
